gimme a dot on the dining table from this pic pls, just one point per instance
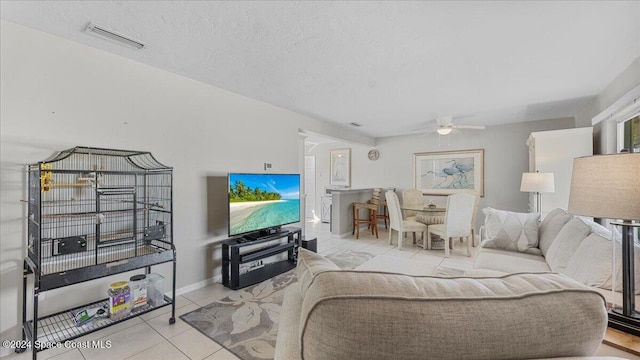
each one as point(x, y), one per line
point(426, 211)
point(427, 215)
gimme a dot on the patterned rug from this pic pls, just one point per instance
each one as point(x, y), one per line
point(246, 322)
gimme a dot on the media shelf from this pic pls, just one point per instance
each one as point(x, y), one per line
point(232, 258)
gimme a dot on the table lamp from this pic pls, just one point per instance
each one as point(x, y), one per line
point(608, 186)
point(538, 183)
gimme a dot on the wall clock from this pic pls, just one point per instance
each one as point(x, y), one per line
point(374, 155)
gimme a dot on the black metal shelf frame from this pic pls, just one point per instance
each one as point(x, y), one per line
point(93, 213)
point(232, 258)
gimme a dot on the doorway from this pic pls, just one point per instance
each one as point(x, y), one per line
point(310, 187)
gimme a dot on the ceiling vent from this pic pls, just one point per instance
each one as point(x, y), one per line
point(355, 124)
point(113, 36)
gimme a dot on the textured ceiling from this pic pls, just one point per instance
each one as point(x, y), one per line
point(391, 66)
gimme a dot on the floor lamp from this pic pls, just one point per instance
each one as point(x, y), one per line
point(608, 186)
point(538, 183)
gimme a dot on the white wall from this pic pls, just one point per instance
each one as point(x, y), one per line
point(56, 94)
point(605, 131)
point(506, 158)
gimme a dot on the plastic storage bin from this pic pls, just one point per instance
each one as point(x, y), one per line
point(138, 285)
point(119, 300)
point(155, 289)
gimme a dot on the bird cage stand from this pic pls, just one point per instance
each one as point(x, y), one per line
point(93, 213)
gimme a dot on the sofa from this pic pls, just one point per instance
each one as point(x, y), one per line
point(574, 246)
point(348, 314)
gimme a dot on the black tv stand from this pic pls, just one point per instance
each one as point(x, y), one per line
point(232, 258)
point(262, 234)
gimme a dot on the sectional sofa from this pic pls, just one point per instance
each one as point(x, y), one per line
point(574, 246)
point(346, 314)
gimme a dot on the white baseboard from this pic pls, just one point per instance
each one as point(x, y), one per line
point(185, 289)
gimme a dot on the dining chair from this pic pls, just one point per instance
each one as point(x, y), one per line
point(412, 197)
point(397, 223)
point(457, 221)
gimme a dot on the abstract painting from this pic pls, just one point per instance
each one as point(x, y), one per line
point(340, 161)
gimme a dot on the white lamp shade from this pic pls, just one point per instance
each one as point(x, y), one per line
point(444, 130)
point(606, 186)
point(537, 182)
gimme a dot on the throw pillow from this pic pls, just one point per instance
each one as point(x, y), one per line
point(550, 227)
point(566, 243)
point(311, 264)
point(511, 231)
point(591, 264)
point(598, 229)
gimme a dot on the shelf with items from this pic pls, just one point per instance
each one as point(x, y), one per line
point(61, 327)
point(232, 258)
point(93, 213)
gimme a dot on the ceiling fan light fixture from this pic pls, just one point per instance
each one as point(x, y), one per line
point(444, 131)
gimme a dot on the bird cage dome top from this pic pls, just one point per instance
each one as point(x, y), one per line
point(90, 158)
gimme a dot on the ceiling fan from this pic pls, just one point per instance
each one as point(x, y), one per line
point(444, 126)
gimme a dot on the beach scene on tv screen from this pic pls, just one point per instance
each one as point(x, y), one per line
point(259, 201)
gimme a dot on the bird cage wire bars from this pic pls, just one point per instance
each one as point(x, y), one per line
point(90, 206)
point(91, 213)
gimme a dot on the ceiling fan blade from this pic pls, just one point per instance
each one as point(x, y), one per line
point(477, 127)
point(428, 131)
point(445, 121)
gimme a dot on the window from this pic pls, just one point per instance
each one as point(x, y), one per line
point(631, 134)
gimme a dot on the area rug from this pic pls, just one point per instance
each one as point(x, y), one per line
point(246, 322)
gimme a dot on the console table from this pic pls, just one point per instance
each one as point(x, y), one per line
point(232, 258)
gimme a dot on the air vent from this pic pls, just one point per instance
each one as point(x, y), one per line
point(113, 36)
point(355, 124)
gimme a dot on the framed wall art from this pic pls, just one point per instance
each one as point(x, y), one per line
point(340, 162)
point(449, 172)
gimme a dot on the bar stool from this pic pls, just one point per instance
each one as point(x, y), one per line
point(371, 219)
point(377, 200)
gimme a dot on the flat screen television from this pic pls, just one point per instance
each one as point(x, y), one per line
point(262, 203)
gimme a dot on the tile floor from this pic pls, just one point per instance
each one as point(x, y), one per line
point(151, 337)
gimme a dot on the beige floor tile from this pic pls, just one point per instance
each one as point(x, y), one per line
point(111, 330)
point(125, 343)
point(356, 244)
point(222, 354)
point(43, 355)
point(27, 355)
point(377, 248)
point(74, 354)
point(162, 326)
point(215, 297)
point(217, 291)
point(195, 345)
point(328, 245)
point(408, 250)
point(163, 350)
point(431, 257)
point(163, 311)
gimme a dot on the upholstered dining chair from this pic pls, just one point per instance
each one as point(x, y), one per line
point(397, 223)
point(457, 221)
point(412, 197)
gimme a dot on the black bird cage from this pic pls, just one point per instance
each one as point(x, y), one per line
point(91, 206)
